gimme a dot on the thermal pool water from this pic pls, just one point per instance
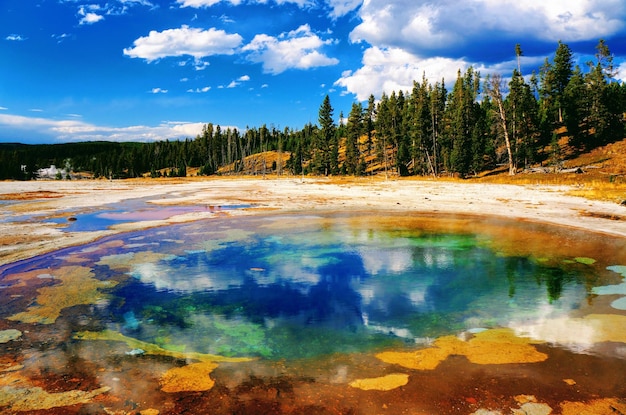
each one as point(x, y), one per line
point(352, 313)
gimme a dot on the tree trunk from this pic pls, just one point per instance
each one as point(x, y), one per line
point(506, 137)
point(494, 91)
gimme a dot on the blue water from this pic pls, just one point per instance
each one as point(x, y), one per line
point(86, 222)
point(294, 286)
point(133, 210)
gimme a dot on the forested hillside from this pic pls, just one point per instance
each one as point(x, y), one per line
point(470, 126)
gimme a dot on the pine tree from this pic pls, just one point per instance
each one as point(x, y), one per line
point(354, 129)
point(576, 109)
point(605, 113)
point(396, 134)
point(370, 118)
point(483, 138)
point(325, 145)
point(554, 80)
point(383, 131)
point(438, 102)
point(420, 128)
point(524, 122)
point(461, 118)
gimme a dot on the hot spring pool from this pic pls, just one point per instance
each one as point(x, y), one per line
point(326, 313)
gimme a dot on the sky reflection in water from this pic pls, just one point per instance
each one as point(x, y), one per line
point(295, 286)
point(257, 287)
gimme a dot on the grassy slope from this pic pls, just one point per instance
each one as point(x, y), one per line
point(603, 177)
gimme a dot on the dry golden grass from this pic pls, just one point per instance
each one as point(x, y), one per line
point(260, 163)
point(603, 177)
point(613, 192)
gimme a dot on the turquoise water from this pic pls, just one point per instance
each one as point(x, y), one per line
point(304, 286)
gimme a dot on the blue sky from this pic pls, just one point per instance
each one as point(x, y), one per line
point(143, 70)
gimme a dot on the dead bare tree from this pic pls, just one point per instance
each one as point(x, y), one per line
point(493, 89)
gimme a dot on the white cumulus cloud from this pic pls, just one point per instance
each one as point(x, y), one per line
point(394, 69)
point(421, 26)
point(406, 38)
point(342, 7)
point(184, 41)
point(299, 49)
point(89, 17)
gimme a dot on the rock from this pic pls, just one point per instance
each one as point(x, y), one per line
point(533, 408)
point(10, 334)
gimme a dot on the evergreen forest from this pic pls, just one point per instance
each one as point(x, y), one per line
point(472, 125)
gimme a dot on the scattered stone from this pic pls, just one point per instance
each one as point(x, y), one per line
point(528, 405)
point(9, 334)
point(522, 399)
point(570, 382)
point(533, 408)
point(136, 352)
point(483, 411)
